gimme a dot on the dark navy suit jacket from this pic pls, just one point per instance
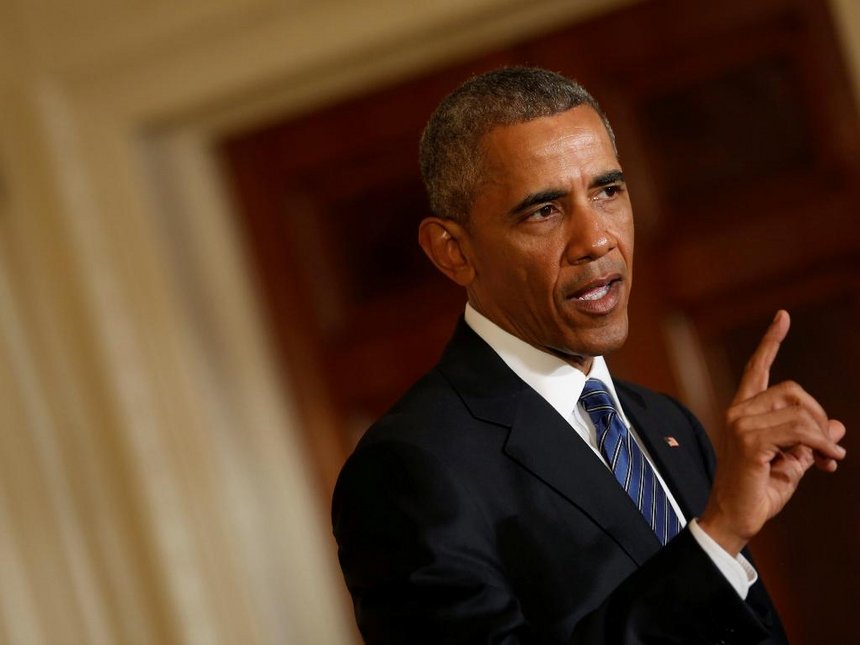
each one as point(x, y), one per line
point(472, 513)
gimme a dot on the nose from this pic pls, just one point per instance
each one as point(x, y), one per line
point(588, 236)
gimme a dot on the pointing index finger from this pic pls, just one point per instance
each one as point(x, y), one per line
point(757, 372)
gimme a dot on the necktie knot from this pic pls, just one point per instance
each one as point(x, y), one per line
point(611, 432)
point(595, 396)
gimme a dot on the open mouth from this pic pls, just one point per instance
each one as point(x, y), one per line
point(598, 297)
point(594, 294)
point(597, 289)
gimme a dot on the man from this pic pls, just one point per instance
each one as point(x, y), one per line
point(517, 494)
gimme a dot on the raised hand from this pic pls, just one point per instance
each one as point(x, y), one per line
point(773, 436)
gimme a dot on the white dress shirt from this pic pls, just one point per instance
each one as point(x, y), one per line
point(561, 385)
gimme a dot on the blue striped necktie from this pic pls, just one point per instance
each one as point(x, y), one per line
point(627, 461)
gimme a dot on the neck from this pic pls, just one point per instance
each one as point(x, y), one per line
point(580, 362)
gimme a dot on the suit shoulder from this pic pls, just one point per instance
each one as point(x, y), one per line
point(657, 400)
point(428, 413)
point(422, 447)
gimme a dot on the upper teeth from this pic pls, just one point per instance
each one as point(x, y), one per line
point(596, 294)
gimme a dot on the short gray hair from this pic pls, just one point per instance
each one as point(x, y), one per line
point(450, 150)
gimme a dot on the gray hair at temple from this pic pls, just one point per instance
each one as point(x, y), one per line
point(450, 152)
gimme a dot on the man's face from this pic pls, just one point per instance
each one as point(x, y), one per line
point(550, 236)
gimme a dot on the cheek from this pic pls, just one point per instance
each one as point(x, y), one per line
point(629, 229)
point(540, 271)
point(623, 231)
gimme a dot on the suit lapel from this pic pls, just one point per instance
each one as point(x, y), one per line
point(542, 442)
point(545, 445)
point(677, 466)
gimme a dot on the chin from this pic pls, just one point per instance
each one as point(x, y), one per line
point(606, 341)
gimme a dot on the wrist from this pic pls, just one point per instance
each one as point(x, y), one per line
point(728, 540)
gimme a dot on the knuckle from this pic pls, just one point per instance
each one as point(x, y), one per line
point(798, 424)
point(731, 416)
point(744, 425)
point(748, 442)
point(737, 422)
point(792, 389)
point(811, 419)
point(791, 384)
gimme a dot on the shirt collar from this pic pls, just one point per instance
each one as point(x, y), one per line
point(559, 383)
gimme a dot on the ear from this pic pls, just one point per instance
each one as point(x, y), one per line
point(443, 241)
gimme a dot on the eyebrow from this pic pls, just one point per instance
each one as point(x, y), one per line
point(538, 198)
point(608, 178)
point(543, 196)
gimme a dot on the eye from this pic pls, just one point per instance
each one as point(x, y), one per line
point(608, 192)
point(544, 212)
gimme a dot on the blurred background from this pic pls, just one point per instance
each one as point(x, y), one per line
point(210, 285)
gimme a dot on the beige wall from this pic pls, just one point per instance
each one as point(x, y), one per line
point(152, 485)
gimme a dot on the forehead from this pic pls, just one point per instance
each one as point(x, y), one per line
point(568, 146)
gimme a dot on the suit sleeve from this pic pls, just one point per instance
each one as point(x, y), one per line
point(418, 558)
point(758, 599)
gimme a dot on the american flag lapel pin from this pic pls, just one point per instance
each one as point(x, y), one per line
point(671, 442)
